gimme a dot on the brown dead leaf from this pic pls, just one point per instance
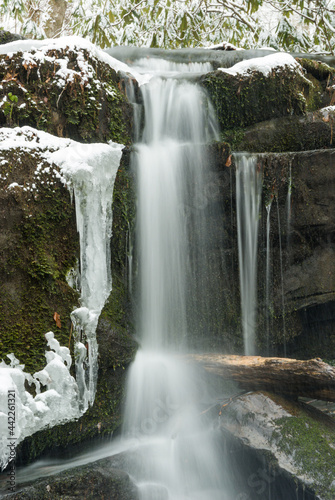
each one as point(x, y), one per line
point(9, 77)
point(57, 319)
point(228, 162)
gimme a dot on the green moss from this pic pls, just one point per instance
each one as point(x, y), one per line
point(312, 445)
point(234, 137)
point(313, 94)
point(86, 108)
point(241, 101)
point(319, 70)
point(40, 244)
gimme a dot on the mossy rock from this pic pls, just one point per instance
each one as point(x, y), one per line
point(68, 93)
point(320, 70)
point(38, 246)
point(322, 76)
point(7, 37)
point(311, 442)
point(242, 100)
point(296, 133)
point(297, 439)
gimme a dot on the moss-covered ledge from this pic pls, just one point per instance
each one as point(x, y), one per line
point(242, 100)
point(295, 133)
point(66, 92)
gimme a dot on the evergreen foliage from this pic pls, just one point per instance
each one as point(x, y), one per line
point(298, 25)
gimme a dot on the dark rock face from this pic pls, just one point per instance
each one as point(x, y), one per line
point(301, 236)
point(302, 274)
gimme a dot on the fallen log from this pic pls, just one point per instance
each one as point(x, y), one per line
point(290, 377)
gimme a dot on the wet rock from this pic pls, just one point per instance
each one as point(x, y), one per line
point(302, 256)
point(297, 440)
point(97, 480)
point(38, 246)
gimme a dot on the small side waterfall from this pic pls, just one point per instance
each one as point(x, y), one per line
point(176, 455)
point(248, 198)
point(267, 276)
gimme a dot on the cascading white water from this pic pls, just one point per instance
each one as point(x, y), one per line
point(176, 454)
point(248, 198)
point(267, 275)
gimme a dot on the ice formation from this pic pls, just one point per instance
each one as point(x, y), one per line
point(89, 171)
point(56, 397)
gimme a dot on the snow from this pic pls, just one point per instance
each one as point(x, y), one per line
point(264, 64)
point(14, 185)
point(223, 46)
point(89, 170)
point(57, 403)
point(325, 111)
point(75, 43)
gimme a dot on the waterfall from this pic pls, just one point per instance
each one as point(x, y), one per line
point(281, 277)
point(176, 454)
point(248, 198)
point(267, 276)
point(288, 202)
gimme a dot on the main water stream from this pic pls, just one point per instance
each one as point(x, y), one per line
point(176, 454)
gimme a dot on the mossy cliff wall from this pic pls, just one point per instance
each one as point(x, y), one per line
point(39, 243)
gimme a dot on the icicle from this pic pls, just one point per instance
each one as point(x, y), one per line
point(90, 170)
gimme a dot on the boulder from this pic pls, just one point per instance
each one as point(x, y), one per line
point(295, 133)
point(244, 99)
point(298, 442)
